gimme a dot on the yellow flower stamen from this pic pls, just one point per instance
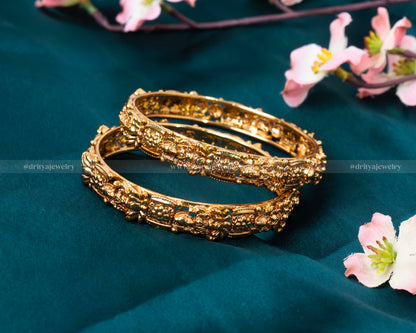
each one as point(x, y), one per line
point(373, 43)
point(322, 58)
point(384, 255)
point(404, 67)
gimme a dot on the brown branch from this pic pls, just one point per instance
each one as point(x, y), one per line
point(263, 19)
point(103, 21)
point(404, 53)
point(409, 54)
point(99, 17)
point(247, 21)
point(280, 6)
point(178, 15)
point(361, 84)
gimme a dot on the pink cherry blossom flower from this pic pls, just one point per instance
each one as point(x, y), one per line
point(383, 38)
point(398, 66)
point(56, 3)
point(312, 63)
point(385, 256)
point(136, 12)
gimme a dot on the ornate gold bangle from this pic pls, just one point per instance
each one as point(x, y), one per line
point(305, 166)
point(212, 220)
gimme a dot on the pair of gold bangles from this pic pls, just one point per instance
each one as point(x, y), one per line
point(144, 126)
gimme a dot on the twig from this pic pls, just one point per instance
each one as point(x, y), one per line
point(361, 84)
point(99, 16)
point(247, 21)
point(103, 21)
point(176, 14)
point(280, 6)
point(402, 52)
point(254, 20)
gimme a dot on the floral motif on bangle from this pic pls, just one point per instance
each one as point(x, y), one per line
point(133, 127)
point(219, 224)
point(98, 177)
point(152, 138)
point(137, 205)
point(182, 221)
point(160, 212)
point(242, 221)
point(202, 157)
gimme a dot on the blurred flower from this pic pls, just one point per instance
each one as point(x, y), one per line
point(382, 39)
point(385, 256)
point(56, 3)
point(136, 12)
point(398, 66)
point(312, 63)
point(290, 2)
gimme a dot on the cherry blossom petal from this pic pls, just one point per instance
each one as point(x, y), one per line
point(381, 23)
point(359, 265)
point(154, 11)
point(390, 39)
point(123, 16)
point(56, 3)
point(407, 93)
point(379, 227)
point(135, 13)
point(290, 2)
point(396, 34)
point(351, 55)
point(380, 62)
point(391, 60)
point(294, 93)
point(408, 43)
point(190, 2)
point(404, 275)
point(365, 63)
point(339, 41)
point(364, 92)
point(373, 76)
point(302, 60)
point(393, 39)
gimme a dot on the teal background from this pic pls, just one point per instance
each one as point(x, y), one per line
point(69, 263)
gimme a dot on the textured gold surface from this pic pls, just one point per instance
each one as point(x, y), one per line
point(305, 166)
point(211, 220)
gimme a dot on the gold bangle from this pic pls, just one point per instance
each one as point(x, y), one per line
point(305, 166)
point(212, 220)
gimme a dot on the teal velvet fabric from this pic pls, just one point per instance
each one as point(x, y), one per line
point(69, 263)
